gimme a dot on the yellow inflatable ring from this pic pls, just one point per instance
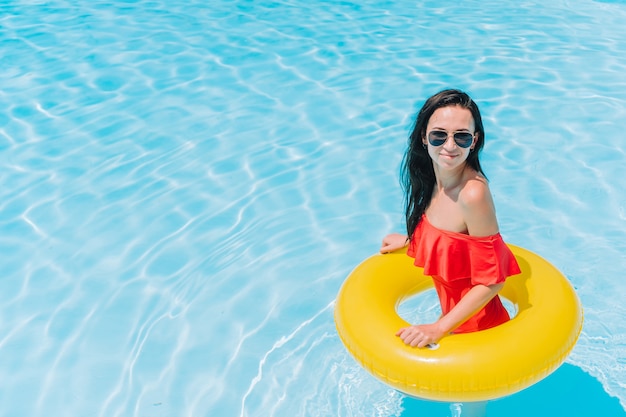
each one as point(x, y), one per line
point(465, 367)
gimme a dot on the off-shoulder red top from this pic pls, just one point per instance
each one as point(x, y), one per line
point(457, 262)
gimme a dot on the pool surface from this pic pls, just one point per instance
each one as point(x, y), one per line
point(185, 186)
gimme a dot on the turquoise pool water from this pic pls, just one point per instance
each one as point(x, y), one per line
point(185, 185)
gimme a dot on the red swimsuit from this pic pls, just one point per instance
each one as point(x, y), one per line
point(457, 262)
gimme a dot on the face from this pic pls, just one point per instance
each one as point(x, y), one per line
point(451, 120)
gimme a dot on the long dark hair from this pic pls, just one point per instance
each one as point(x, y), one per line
point(417, 175)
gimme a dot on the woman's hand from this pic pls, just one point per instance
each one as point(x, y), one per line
point(421, 335)
point(393, 242)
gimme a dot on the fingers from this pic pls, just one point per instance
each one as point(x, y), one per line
point(386, 248)
point(409, 336)
point(392, 243)
point(415, 337)
point(389, 247)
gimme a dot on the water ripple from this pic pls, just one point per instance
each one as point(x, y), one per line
point(186, 187)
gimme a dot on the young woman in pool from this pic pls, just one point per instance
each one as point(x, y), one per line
point(451, 222)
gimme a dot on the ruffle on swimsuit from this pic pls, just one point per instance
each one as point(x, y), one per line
point(457, 262)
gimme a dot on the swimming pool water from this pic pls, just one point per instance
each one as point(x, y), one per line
point(187, 184)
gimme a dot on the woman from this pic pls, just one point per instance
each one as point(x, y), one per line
point(451, 222)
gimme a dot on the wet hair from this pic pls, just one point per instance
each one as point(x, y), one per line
point(417, 174)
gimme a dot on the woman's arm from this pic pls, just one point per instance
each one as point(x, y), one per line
point(424, 334)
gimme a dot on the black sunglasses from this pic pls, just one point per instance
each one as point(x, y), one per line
point(439, 137)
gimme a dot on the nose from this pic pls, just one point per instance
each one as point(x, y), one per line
point(450, 143)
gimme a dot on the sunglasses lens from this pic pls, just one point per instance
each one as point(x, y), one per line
point(463, 139)
point(437, 137)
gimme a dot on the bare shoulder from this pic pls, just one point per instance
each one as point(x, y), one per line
point(478, 208)
point(475, 191)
